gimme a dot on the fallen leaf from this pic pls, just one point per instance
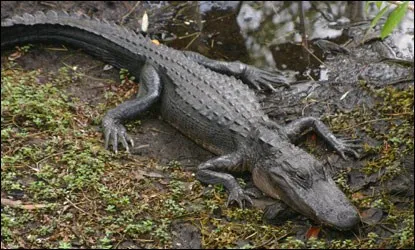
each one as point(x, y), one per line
point(140, 174)
point(107, 67)
point(15, 55)
point(312, 232)
point(358, 196)
point(371, 216)
point(144, 22)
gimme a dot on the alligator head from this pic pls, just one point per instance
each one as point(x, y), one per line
point(299, 180)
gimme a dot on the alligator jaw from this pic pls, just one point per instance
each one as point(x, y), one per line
point(330, 206)
point(314, 195)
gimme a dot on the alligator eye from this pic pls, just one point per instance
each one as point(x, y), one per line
point(303, 180)
point(301, 177)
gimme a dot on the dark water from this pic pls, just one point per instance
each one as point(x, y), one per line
point(269, 34)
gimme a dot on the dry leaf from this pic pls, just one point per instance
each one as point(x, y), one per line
point(312, 232)
point(15, 55)
point(144, 22)
point(358, 196)
point(372, 216)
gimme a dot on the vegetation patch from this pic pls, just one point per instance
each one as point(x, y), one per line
point(391, 123)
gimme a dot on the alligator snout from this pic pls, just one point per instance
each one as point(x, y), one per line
point(348, 219)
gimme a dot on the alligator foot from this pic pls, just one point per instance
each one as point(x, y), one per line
point(250, 75)
point(347, 145)
point(258, 77)
point(114, 130)
point(342, 146)
point(345, 148)
point(240, 196)
point(211, 172)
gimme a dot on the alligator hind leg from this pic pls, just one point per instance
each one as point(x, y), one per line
point(295, 128)
point(211, 172)
point(248, 74)
point(148, 95)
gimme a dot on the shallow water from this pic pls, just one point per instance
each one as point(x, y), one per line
point(269, 34)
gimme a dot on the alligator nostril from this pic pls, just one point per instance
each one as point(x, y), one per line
point(348, 219)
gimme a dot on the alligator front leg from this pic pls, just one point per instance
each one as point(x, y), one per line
point(295, 128)
point(248, 74)
point(148, 94)
point(208, 172)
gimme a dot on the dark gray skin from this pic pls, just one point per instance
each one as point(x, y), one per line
point(207, 101)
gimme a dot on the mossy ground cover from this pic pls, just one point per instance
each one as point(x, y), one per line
point(62, 189)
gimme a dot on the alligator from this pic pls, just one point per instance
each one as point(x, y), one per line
point(210, 102)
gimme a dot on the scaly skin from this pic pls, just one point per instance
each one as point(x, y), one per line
point(207, 101)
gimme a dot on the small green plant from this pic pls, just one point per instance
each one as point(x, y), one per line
point(371, 241)
point(64, 245)
point(162, 231)
point(404, 238)
point(341, 180)
point(174, 164)
point(134, 230)
point(125, 76)
point(110, 208)
point(211, 205)
point(292, 242)
point(177, 188)
point(393, 19)
point(314, 243)
point(105, 243)
point(25, 48)
point(343, 244)
point(172, 208)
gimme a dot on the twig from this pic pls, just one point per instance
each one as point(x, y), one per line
point(186, 36)
point(374, 120)
point(47, 157)
point(18, 204)
point(302, 25)
point(63, 48)
point(318, 59)
point(129, 12)
point(270, 240)
point(388, 229)
point(219, 18)
point(400, 114)
point(188, 45)
point(75, 206)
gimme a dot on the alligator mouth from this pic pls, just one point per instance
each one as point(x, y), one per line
point(327, 204)
point(321, 201)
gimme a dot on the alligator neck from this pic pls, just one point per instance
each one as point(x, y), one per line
point(264, 142)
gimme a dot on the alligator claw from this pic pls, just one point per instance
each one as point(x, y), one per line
point(261, 78)
point(114, 130)
point(348, 146)
point(240, 196)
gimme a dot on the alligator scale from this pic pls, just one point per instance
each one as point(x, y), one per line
point(209, 102)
